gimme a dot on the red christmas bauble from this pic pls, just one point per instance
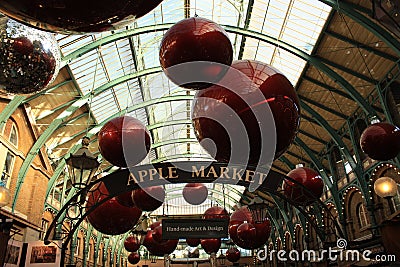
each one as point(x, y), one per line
point(157, 234)
point(155, 224)
point(246, 232)
point(201, 42)
point(307, 177)
point(211, 245)
point(124, 141)
point(148, 240)
point(110, 217)
point(381, 141)
point(132, 243)
point(235, 114)
point(74, 17)
point(133, 258)
point(149, 198)
point(125, 199)
point(193, 242)
point(263, 231)
point(216, 212)
point(195, 193)
point(241, 215)
point(232, 254)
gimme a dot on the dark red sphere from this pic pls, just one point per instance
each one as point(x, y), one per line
point(133, 258)
point(157, 234)
point(124, 141)
point(200, 41)
point(232, 254)
point(125, 199)
point(381, 141)
point(247, 232)
point(241, 215)
point(73, 17)
point(216, 212)
point(132, 243)
point(236, 115)
point(154, 225)
point(149, 198)
point(148, 240)
point(263, 231)
point(195, 193)
point(110, 217)
point(193, 242)
point(211, 245)
point(307, 177)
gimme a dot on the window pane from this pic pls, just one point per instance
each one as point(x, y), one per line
point(8, 166)
point(14, 135)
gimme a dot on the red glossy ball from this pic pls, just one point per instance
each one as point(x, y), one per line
point(195, 40)
point(125, 199)
point(154, 225)
point(307, 177)
point(193, 242)
point(149, 198)
point(132, 243)
point(195, 193)
point(241, 215)
point(110, 217)
point(211, 245)
point(263, 231)
point(247, 232)
point(124, 141)
point(216, 212)
point(232, 254)
point(133, 258)
point(73, 17)
point(226, 115)
point(148, 240)
point(157, 234)
point(381, 141)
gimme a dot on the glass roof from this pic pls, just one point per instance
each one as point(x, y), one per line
point(298, 22)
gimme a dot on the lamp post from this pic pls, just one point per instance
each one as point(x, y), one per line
point(5, 223)
point(386, 188)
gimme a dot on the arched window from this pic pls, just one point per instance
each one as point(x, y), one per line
point(13, 138)
point(8, 169)
point(362, 215)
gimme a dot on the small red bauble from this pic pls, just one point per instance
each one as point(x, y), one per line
point(246, 232)
point(132, 243)
point(236, 116)
point(307, 177)
point(133, 258)
point(216, 212)
point(211, 245)
point(381, 141)
point(125, 199)
point(124, 141)
point(232, 254)
point(200, 41)
point(193, 242)
point(195, 193)
point(110, 217)
point(149, 198)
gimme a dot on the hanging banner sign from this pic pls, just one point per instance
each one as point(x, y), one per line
point(194, 228)
point(192, 172)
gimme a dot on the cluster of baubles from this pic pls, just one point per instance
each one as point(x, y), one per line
point(154, 242)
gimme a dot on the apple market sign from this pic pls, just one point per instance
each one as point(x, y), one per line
point(192, 172)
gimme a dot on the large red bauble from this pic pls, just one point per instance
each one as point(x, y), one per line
point(241, 215)
point(232, 254)
point(193, 242)
point(223, 114)
point(307, 177)
point(110, 217)
point(124, 141)
point(195, 40)
point(125, 199)
point(148, 240)
point(149, 198)
point(211, 245)
point(263, 231)
point(159, 248)
point(132, 243)
point(73, 17)
point(157, 234)
point(247, 232)
point(381, 141)
point(154, 225)
point(195, 193)
point(216, 212)
point(133, 258)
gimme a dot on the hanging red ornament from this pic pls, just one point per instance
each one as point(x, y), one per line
point(155, 224)
point(157, 234)
point(202, 43)
point(124, 141)
point(110, 217)
point(381, 141)
point(149, 198)
point(132, 243)
point(193, 242)
point(232, 254)
point(133, 258)
point(195, 193)
point(211, 245)
point(216, 212)
point(125, 199)
point(241, 215)
point(307, 177)
point(246, 232)
point(252, 117)
point(74, 17)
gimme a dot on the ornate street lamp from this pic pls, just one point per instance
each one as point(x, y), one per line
point(5, 195)
point(258, 209)
point(386, 187)
point(82, 165)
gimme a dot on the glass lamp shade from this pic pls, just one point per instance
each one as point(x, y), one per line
point(385, 187)
point(258, 209)
point(5, 196)
point(81, 167)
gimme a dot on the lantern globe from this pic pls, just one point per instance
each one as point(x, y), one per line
point(385, 187)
